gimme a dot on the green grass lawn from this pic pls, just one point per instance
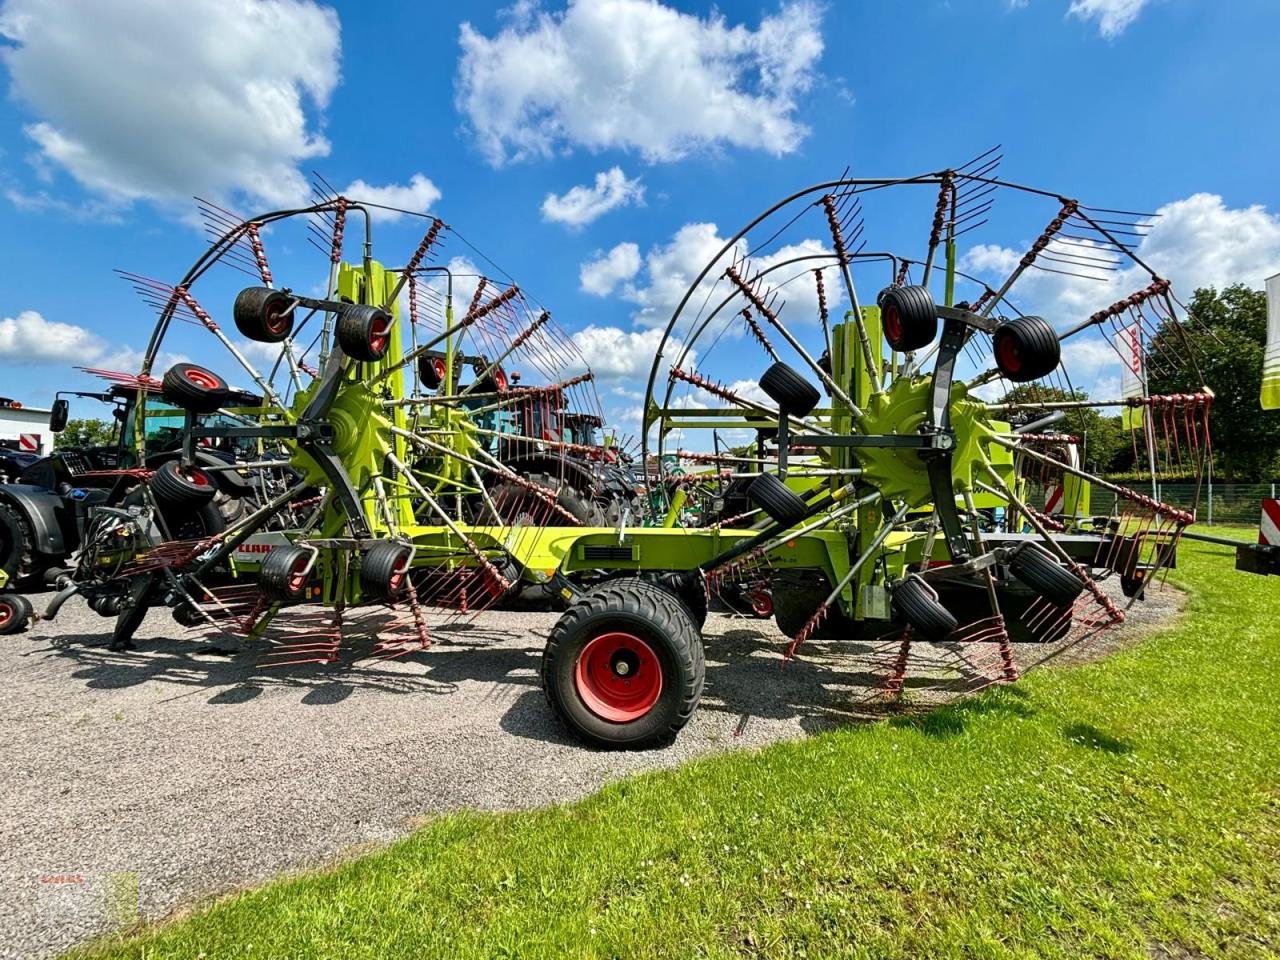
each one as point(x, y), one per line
point(1130, 808)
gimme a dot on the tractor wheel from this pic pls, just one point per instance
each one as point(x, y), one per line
point(690, 588)
point(17, 544)
point(283, 575)
point(792, 393)
point(909, 317)
point(15, 613)
point(192, 387)
point(917, 604)
point(179, 486)
point(776, 499)
point(263, 314)
point(384, 571)
point(1040, 570)
point(1026, 348)
point(364, 332)
point(623, 666)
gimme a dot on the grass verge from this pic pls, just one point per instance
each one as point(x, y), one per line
point(1129, 808)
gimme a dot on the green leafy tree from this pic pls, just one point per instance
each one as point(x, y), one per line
point(1227, 334)
point(86, 432)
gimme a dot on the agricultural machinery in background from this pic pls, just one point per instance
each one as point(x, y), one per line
point(870, 484)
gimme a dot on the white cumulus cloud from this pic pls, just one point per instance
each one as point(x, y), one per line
point(637, 75)
point(616, 354)
point(419, 195)
point(581, 205)
point(603, 275)
point(30, 340)
point(149, 99)
point(1112, 16)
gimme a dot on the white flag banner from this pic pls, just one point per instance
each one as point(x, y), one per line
point(1128, 343)
point(1271, 357)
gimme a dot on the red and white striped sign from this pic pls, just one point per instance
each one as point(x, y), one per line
point(1053, 499)
point(1269, 530)
point(29, 442)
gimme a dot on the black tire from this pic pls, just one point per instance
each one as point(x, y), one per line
point(496, 382)
point(797, 596)
point(792, 393)
point(183, 521)
point(431, 372)
point(17, 545)
point(1040, 570)
point(690, 588)
point(182, 486)
point(908, 317)
point(384, 571)
point(1135, 585)
point(776, 499)
point(192, 387)
point(281, 578)
point(364, 332)
point(1026, 348)
point(15, 613)
point(623, 667)
point(918, 606)
point(263, 314)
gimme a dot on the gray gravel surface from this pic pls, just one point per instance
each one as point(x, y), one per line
point(137, 783)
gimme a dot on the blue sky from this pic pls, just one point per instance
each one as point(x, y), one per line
point(666, 118)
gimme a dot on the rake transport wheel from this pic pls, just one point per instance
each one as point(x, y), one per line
point(1040, 570)
point(180, 486)
point(777, 500)
point(624, 666)
point(284, 574)
point(1026, 348)
point(909, 317)
point(918, 606)
point(15, 613)
point(263, 314)
point(384, 571)
point(786, 387)
point(364, 332)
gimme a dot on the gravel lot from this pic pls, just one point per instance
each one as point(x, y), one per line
point(136, 783)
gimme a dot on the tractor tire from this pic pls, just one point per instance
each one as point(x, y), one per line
point(15, 613)
point(1040, 570)
point(192, 387)
point(623, 667)
point(1026, 348)
point(181, 486)
point(908, 317)
point(917, 604)
point(17, 545)
point(263, 314)
point(690, 588)
point(282, 578)
point(364, 332)
point(384, 571)
point(775, 498)
point(793, 394)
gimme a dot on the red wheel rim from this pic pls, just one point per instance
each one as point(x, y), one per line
point(378, 335)
point(500, 379)
point(438, 366)
point(892, 324)
point(202, 379)
point(6, 612)
point(1008, 357)
point(395, 583)
point(762, 605)
point(618, 677)
point(197, 477)
point(277, 320)
point(298, 575)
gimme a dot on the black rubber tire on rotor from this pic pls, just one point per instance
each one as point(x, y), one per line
point(263, 314)
point(364, 332)
point(1025, 349)
point(172, 484)
point(908, 317)
point(278, 575)
point(793, 394)
point(917, 605)
point(431, 372)
point(183, 521)
point(652, 614)
point(15, 613)
point(1040, 570)
point(193, 387)
point(382, 571)
point(779, 501)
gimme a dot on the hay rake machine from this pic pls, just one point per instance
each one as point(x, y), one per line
point(897, 512)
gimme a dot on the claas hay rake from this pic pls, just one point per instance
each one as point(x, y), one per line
point(885, 490)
